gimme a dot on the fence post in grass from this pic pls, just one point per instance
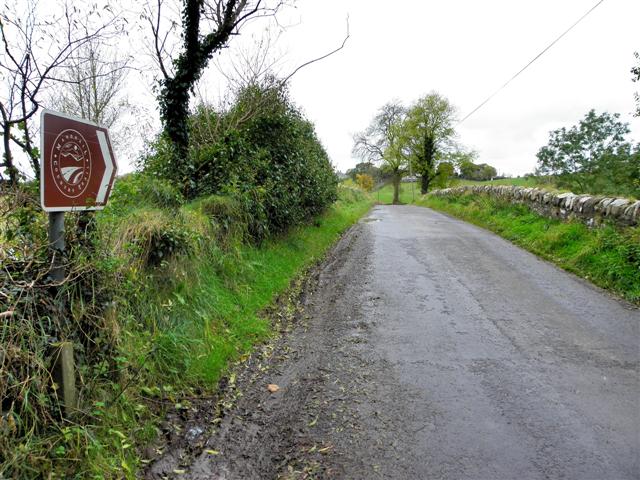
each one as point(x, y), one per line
point(64, 374)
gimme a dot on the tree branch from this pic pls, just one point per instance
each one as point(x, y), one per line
point(319, 58)
point(159, 48)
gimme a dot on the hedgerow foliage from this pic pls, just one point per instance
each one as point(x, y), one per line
point(152, 298)
point(260, 151)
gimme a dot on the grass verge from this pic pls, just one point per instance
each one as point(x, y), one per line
point(185, 295)
point(607, 256)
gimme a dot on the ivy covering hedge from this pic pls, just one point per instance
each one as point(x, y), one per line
point(260, 151)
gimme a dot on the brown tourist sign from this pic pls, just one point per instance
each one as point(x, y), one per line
point(77, 165)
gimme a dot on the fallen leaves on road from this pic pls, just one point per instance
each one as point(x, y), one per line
point(273, 388)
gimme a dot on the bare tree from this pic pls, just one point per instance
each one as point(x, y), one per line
point(35, 50)
point(93, 88)
point(380, 142)
point(254, 62)
point(253, 65)
point(258, 67)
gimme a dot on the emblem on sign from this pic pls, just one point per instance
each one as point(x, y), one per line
point(71, 163)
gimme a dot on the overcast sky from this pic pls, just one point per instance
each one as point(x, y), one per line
point(465, 50)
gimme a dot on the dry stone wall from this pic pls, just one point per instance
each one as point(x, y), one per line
point(592, 210)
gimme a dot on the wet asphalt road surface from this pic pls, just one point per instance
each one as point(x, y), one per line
point(427, 348)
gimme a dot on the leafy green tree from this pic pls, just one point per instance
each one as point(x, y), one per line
point(380, 143)
point(480, 172)
point(367, 168)
point(458, 157)
point(619, 173)
point(590, 154)
point(444, 172)
point(427, 133)
point(488, 172)
point(467, 169)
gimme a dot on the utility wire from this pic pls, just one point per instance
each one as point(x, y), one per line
point(529, 64)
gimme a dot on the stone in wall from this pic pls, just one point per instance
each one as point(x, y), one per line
point(590, 209)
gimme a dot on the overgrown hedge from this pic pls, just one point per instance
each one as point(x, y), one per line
point(262, 152)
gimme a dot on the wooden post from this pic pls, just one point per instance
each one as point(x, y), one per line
point(65, 376)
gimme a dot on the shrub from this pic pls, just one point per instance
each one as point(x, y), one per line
point(150, 237)
point(364, 181)
point(263, 153)
point(136, 190)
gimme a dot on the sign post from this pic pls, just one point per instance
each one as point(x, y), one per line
point(56, 241)
point(77, 171)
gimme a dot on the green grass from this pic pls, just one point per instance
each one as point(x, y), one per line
point(221, 300)
point(175, 327)
point(211, 311)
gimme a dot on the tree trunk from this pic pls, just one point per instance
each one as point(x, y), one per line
point(12, 171)
point(175, 93)
point(429, 153)
point(425, 180)
point(174, 113)
point(396, 188)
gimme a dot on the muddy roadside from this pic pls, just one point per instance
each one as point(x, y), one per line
point(317, 402)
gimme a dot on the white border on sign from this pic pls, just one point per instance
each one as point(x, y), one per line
point(109, 164)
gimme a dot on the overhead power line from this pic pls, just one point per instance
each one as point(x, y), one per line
point(529, 64)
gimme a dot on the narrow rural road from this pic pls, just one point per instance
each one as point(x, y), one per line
point(432, 349)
